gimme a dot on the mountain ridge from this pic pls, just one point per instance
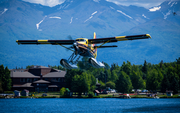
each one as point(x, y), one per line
point(23, 20)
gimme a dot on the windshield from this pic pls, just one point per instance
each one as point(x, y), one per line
point(81, 40)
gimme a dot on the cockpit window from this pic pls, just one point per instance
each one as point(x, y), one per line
point(81, 40)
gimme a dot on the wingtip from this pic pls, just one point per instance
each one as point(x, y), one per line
point(148, 35)
point(17, 42)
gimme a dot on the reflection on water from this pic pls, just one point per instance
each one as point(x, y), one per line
point(108, 105)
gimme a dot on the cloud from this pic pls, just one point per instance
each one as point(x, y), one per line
point(142, 3)
point(49, 3)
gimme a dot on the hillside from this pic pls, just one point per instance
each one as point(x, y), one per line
point(23, 20)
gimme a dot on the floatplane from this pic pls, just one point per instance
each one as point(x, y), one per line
point(83, 47)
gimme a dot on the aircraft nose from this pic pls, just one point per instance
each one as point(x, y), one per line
point(75, 43)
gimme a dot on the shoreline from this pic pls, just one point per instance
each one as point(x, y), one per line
point(86, 97)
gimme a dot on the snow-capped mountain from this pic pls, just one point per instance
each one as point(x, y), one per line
point(80, 18)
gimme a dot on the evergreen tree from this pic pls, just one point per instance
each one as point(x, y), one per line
point(123, 84)
point(5, 78)
point(178, 60)
point(126, 67)
point(113, 76)
point(137, 81)
point(1, 72)
point(152, 82)
point(175, 85)
point(145, 67)
point(165, 84)
point(1, 90)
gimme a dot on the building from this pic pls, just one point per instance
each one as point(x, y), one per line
point(169, 93)
point(38, 78)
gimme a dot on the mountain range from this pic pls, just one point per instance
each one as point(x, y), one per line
point(21, 20)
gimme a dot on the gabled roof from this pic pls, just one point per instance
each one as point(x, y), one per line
point(41, 81)
point(24, 85)
point(34, 67)
point(52, 86)
point(55, 74)
point(27, 85)
point(23, 75)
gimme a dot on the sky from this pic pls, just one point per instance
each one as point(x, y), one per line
point(143, 3)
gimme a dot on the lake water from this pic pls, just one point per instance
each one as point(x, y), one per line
point(108, 105)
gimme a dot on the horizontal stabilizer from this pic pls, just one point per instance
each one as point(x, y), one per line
point(105, 46)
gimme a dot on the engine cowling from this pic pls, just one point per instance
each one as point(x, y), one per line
point(95, 63)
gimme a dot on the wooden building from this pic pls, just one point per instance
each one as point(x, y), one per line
point(38, 78)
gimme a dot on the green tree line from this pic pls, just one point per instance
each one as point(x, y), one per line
point(124, 78)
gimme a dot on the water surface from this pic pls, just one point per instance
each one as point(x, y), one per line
point(108, 105)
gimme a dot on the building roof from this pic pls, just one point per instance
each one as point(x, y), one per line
point(27, 85)
point(18, 70)
point(24, 85)
point(34, 72)
point(55, 74)
point(96, 91)
point(32, 67)
point(52, 86)
point(23, 75)
point(41, 81)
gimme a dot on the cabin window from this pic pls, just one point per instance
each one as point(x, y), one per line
point(81, 40)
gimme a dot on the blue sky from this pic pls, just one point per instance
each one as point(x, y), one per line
point(143, 3)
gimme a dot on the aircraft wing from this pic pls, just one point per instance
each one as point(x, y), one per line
point(53, 42)
point(118, 38)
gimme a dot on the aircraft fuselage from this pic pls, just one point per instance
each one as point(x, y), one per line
point(85, 51)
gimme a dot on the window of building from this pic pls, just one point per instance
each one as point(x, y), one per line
point(24, 79)
point(59, 80)
point(28, 79)
point(21, 80)
point(46, 79)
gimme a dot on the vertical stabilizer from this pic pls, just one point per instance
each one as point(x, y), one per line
point(95, 50)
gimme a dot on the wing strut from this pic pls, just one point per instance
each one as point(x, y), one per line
point(65, 47)
point(103, 44)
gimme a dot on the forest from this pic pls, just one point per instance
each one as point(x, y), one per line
point(153, 77)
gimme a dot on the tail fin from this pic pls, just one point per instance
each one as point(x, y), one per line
point(94, 45)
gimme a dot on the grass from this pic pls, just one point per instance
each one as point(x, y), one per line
point(110, 95)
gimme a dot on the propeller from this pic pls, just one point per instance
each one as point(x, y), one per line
point(74, 44)
point(70, 37)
